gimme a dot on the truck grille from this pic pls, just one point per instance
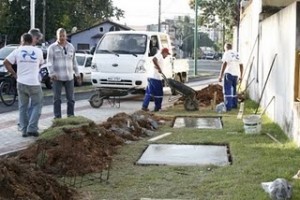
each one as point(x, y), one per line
point(121, 82)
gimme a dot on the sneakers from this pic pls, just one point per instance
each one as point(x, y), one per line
point(145, 109)
point(34, 134)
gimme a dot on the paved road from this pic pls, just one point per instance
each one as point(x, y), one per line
point(207, 69)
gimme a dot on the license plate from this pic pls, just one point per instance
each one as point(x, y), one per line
point(114, 79)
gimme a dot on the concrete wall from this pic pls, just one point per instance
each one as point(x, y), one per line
point(276, 35)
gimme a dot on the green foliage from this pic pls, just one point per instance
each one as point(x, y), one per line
point(15, 15)
point(221, 14)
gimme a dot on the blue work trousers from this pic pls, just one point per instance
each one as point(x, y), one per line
point(154, 90)
point(229, 90)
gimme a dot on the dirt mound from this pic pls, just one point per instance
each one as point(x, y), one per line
point(88, 148)
point(206, 95)
point(71, 147)
point(19, 181)
point(75, 152)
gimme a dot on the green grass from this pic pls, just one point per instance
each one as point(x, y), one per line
point(59, 124)
point(256, 159)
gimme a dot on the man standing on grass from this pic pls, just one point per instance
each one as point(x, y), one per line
point(28, 59)
point(232, 72)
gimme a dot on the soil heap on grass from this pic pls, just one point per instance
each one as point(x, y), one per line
point(88, 148)
point(205, 96)
point(26, 182)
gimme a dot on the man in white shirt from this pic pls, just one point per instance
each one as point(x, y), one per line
point(155, 87)
point(231, 71)
point(28, 59)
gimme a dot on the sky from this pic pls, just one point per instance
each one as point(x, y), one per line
point(145, 12)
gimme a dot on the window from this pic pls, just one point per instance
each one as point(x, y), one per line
point(123, 44)
point(101, 29)
point(83, 46)
point(88, 62)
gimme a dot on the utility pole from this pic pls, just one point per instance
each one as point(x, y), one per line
point(238, 26)
point(44, 19)
point(32, 14)
point(196, 38)
point(159, 14)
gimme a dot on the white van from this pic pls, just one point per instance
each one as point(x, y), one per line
point(122, 58)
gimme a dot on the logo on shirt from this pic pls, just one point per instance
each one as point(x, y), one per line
point(31, 55)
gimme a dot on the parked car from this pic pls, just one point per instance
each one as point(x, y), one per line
point(210, 56)
point(84, 62)
point(6, 50)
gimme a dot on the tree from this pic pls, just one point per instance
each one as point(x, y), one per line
point(215, 13)
point(15, 15)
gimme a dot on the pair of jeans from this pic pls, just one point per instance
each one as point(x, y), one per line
point(33, 95)
point(69, 89)
point(229, 87)
point(155, 90)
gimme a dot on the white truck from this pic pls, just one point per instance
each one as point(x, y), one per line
point(122, 58)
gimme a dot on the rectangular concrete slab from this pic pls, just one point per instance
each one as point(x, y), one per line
point(184, 155)
point(198, 122)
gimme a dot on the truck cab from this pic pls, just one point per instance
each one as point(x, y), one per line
point(122, 59)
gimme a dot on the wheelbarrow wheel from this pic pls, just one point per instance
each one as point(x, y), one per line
point(190, 104)
point(96, 101)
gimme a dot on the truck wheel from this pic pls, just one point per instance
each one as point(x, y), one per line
point(191, 105)
point(96, 101)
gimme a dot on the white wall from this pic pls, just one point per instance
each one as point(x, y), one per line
point(277, 35)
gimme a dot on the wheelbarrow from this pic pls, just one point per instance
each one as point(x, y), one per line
point(189, 94)
point(110, 94)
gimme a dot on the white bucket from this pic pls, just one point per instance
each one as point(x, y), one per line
point(252, 124)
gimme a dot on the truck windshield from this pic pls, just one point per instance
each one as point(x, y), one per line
point(122, 44)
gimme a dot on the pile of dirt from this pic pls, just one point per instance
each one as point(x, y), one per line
point(77, 151)
point(206, 95)
point(20, 181)
point(89, 148)
point(74, 149)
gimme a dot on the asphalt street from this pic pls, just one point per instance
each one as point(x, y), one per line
point(208, 69)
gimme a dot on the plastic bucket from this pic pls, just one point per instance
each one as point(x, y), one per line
point(252, 124)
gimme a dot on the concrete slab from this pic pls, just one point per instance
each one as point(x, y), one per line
point(184, 155)
point(198, 122)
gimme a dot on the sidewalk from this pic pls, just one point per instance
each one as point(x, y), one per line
point(12, 141)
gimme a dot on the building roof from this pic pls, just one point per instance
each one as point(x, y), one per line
point(98, 24)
